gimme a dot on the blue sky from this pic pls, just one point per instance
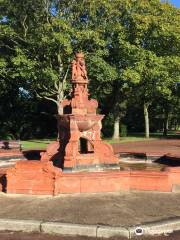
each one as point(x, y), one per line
point(175, 2)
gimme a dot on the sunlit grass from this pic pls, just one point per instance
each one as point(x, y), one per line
point(35, 143)
point(42, 143)
point(128, 139)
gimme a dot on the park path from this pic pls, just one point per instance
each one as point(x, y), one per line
point(113, 209)
point(152, 147)
point(38, 236)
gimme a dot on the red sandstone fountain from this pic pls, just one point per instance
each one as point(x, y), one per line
point(79, 146)
point(79, 161)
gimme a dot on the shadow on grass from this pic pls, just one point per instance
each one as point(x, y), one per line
point(32, 154)
point(168, 162)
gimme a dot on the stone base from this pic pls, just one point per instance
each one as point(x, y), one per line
point(113, 181)
point(32, 177)
point(102, 155)
point(93, 168)
point(35, 177)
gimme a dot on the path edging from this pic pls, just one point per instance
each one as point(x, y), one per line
point(103, 231)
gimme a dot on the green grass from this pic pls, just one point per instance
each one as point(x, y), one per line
point(35, 143)
point(134, 137)
point(42, 143)
point(128, 139)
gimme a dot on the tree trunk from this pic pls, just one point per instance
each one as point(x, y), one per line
point(60, 97)
point(116, 128)
point(60, 109)
point(60, 112)
point(146, 119)
point(175, 125)
point(166, 121)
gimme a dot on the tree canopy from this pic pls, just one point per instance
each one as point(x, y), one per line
point(132, 56)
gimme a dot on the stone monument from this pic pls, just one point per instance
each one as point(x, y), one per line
point(78, 149)
point(79, 144)
point(79, 161)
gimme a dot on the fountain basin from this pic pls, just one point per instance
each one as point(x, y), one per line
point(84, 122)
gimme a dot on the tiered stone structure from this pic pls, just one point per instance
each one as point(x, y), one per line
point(79, 144)
point(80, 147)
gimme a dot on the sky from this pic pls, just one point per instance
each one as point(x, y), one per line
point(175, 2)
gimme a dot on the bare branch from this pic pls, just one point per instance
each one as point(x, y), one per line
point(48, 98)
point(60, 62)
point(60, 87)
point(25, 26)
point(52, 91)
point(38, 95)
point(51, 99)
point(47, 89)
point(50, 62)
point(46, 6)
point(14, 41)
point(2, 75)
point(48, 94)
point(20, 38)
point(55, 85)
point(6, 46)
point(65, 76)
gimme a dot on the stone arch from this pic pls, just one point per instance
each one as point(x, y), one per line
point(85, 146)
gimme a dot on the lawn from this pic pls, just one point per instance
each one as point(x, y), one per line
point(42, 143)
point(128, 139)
point(35, 143)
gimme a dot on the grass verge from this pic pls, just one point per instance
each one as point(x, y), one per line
point(42, 143)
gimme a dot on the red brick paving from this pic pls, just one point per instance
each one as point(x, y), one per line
point(152, 147)
point(10, 153)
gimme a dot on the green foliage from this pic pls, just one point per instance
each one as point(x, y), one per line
point(107, 130)
point(123, 130)
point(131, 47)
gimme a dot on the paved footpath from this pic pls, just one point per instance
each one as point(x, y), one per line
point(153, 147)
point(90, 214)
point(101, 215)
point(113, 209)
point(37, 236)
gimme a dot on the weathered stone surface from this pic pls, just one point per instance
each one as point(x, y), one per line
point(79, 127)
point(68, 229)
point(108, 232)
point(32, 177)
point(20, 225)
point(157, 228)
point(176, 188)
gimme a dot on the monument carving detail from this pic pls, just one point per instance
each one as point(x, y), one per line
point(79, 127)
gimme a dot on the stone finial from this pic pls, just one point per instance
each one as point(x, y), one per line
point(79, 73)
point(79, 55)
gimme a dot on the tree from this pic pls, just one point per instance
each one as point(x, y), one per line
point(129, 48)
point(145, 46)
